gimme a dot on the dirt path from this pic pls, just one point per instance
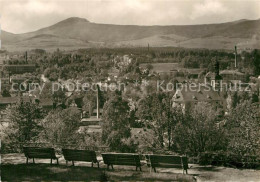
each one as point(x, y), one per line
point(220, 174)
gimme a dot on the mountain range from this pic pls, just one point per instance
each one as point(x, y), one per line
point(75, 32)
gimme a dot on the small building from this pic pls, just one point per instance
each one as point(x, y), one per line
point(194, 73)
point(47, 104)
point(20, 68)
point(5, 101)
point(232, 76)
point(188, 98)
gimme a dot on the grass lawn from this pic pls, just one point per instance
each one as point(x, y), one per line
point(13, 168)
point(47, 172)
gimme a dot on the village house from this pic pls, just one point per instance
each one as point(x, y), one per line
point(189, 97)
point(46, 104)
point(228, 76)
point(20, 68)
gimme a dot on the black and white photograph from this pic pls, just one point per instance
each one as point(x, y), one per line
point(130, 90)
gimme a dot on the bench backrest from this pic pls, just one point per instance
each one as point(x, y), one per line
point(79, 155)
point(168, 161)
point(121, 159)
point(37, 152)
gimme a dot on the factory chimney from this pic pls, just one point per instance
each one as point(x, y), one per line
point(235, 57)
point(98, 90)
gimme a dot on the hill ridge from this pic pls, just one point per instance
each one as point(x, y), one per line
point(80, 32)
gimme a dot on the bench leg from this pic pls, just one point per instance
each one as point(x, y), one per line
point(57, 161)
point(107, 166)
point(154, 169)
point(91, 164)
point(98, 164)
point(73, 163)
point(33, 161)
point(186, 171)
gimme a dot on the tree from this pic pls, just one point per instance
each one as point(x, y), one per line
point(49, 91)
point(61, 127)
point(51, 73)
point(150, 111)
point(198, 131)
point(5, 93)
point(24, 118)
point(256, 62)
point(243, 129)
point(116, 128)
point(149, 66)
point(156, 112)
point(235, 99)
point(90, 102)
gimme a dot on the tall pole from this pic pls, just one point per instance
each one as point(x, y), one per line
point(97, 101)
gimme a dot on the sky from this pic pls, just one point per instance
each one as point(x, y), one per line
point(20, 16)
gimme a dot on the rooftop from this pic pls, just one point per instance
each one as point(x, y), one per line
point(13, 100)
point(233, 72)
point(194, 94)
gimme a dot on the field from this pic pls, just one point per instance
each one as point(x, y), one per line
point(162, 67)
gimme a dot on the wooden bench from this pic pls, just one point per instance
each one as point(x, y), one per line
point(41, 153)
point(167, 161)
point(80, 155)
point(128, 159)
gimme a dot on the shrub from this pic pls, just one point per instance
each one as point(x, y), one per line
point(228, 159)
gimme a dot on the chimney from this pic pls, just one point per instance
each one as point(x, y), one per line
point(235, 56)
point(97, 101)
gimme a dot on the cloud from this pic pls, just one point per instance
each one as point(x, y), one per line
point(208, 8)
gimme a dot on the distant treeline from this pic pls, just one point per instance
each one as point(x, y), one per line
point(248, 62)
